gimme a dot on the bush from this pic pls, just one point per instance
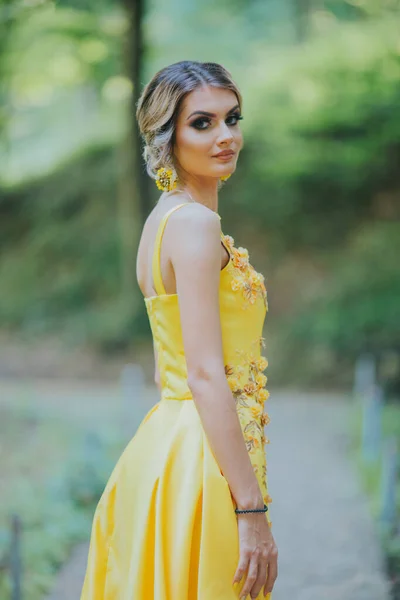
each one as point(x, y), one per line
point(58, 515)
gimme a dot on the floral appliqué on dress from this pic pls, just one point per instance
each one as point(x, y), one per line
point(250, 395)
point(245, 277)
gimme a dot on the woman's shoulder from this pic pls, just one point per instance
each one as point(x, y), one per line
point(195, 208)
point(193, 231)
point(191, 215)
point(196, 222)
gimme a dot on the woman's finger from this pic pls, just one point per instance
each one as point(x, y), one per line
point(251, 576)
point(272, 573)
point(242, 567)
point(261, 577)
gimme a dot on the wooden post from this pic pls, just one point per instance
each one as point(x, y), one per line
point(15, 558)
point(372, 424)
point(390, 461)
point(364, 375)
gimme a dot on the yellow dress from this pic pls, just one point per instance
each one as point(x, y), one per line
point(165, 526)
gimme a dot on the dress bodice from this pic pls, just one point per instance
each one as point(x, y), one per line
point(243, 308)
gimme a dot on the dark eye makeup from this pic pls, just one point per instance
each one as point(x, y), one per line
point(197, 123)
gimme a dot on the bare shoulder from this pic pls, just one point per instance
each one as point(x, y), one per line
point(195, 218)
point(193, 235)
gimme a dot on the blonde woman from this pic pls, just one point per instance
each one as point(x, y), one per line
point(184, 515)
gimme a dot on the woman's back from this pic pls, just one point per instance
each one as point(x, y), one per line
point(146, 247)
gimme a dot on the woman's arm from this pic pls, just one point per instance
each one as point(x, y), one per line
point(194, 243)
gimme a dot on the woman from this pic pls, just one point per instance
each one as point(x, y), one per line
point(169, 525)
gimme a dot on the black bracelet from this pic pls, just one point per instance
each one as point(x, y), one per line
point(251, 510)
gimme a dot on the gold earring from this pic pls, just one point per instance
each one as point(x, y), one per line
point(225, 177)
point(166, 179)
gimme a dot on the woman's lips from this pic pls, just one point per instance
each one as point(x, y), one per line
point(225, 157)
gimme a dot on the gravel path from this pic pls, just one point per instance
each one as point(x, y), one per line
point(328, 548)
point(327, 544)
point(70, 580)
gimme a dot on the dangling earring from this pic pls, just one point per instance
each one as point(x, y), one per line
point(166, 179)
point(225, 177)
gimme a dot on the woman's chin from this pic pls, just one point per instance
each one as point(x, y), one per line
point(226, 172)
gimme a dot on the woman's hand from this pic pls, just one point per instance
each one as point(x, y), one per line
point(258, 555)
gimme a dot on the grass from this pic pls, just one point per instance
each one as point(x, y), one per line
point(371, 477)
point(371, 473)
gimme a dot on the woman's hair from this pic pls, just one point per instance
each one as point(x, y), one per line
point(160, 101)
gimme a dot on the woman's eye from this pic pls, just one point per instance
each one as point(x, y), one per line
point(236, 117)
point(198, 123)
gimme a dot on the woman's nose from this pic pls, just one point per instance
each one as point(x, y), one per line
point(225, 134)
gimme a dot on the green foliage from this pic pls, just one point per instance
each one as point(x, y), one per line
point(60, 268)
point(57, 515)
point(319, 173)
point(317, 177)
point(323, 132)
point(370, 476)
point(67, 47)
point(66, 247)
point(87, 478)
point(357, 308)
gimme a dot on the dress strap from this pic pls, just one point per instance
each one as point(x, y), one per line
point(156, 267)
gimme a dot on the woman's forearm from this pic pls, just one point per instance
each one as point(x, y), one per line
point(216, 407)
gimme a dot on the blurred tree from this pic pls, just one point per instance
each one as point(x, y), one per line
point(302, 12)
point(318, 166)
point(132, 182)
point(79, 55)
point(11, 13)
point(6, 20)
point(135, 57)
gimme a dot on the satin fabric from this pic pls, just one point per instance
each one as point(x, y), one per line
point(165, 526)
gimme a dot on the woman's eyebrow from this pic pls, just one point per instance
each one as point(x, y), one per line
point(208, 114)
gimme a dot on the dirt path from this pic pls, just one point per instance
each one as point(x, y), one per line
point(70, 579)
point(328, 547)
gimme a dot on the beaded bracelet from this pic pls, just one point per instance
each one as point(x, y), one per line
point(251, 510)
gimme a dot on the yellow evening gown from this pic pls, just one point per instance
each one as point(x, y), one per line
point(165, 526)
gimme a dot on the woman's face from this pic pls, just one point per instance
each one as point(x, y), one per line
point(206, 125)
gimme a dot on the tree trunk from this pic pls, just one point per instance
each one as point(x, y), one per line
point(302, 9)
point(130, 189)
point(136, 56)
